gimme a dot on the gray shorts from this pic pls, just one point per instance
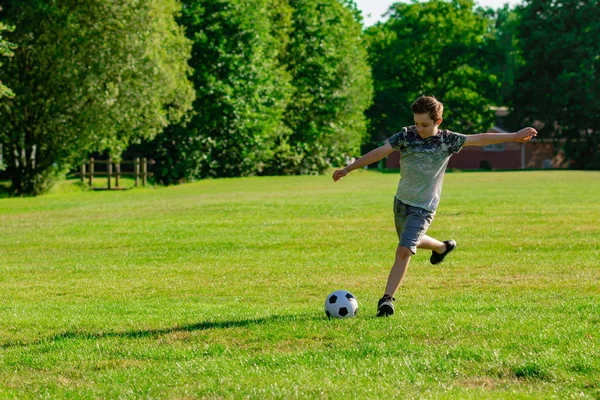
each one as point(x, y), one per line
point(411, 223)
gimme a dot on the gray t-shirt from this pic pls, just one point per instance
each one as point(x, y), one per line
point(423, 164)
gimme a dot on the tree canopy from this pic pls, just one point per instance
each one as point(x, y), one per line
point(558, 83)
point(241, 92)
point(281, 88)
point(88, 76)
point(327, 59)
point(438, 48)
point(6, 50)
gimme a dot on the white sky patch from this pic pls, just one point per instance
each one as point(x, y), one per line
point(376, 8)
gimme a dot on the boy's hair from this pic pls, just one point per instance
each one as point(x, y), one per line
point(430, 105)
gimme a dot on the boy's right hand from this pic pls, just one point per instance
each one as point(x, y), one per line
point(525, 134)
point(339, 174)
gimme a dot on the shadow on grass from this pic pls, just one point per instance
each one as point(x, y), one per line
point(149, 333)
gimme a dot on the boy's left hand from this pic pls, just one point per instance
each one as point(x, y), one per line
point(525, 134)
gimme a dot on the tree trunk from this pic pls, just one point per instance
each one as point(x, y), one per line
point(28, 175)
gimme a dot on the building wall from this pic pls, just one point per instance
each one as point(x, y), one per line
point(499, 157)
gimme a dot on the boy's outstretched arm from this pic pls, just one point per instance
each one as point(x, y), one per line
point(483, 139)
point(369, 158)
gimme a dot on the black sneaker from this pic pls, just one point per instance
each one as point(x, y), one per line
point(385, 306)
point(437, 258)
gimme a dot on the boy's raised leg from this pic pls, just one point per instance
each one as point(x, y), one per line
point(439, 250)
point(429, 243)
point(437, 258)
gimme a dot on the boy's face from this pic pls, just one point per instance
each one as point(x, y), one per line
point(426, 127)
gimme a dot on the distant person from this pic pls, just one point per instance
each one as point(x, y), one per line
point(560, 160)
point(425, 151)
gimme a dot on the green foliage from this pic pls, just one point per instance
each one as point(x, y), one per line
point(241, 90)
point(436, 47)
point(332, 81)
point(6, 50)
point(557, 87)
point(503, 53)
point(88, 76)
point(281, 89)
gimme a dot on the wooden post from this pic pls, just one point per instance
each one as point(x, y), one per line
point(91, 171)
point(137, 171)
point(118, 166)
point(144, 171)
point(109, 171)
point(83, 172)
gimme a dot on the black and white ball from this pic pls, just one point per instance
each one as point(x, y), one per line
point(341, 304)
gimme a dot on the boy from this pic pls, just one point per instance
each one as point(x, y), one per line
point(425, 151)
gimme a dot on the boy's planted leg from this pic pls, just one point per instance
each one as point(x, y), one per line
point(385, 306)
point(398, 271)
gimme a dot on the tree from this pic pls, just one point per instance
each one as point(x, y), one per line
point(281, 89)
point(558, 84)
point(241, 93)
point(6, 50)
point(502, 49)
point(327, 59)
point(440, 48)
point(88, 76)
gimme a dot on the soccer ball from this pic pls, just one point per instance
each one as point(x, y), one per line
point(341, 304)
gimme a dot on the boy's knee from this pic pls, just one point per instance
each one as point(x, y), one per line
point(403, 252)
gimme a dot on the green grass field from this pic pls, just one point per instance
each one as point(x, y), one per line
point(216, 290)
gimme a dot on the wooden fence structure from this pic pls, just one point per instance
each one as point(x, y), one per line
point(140, 170)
